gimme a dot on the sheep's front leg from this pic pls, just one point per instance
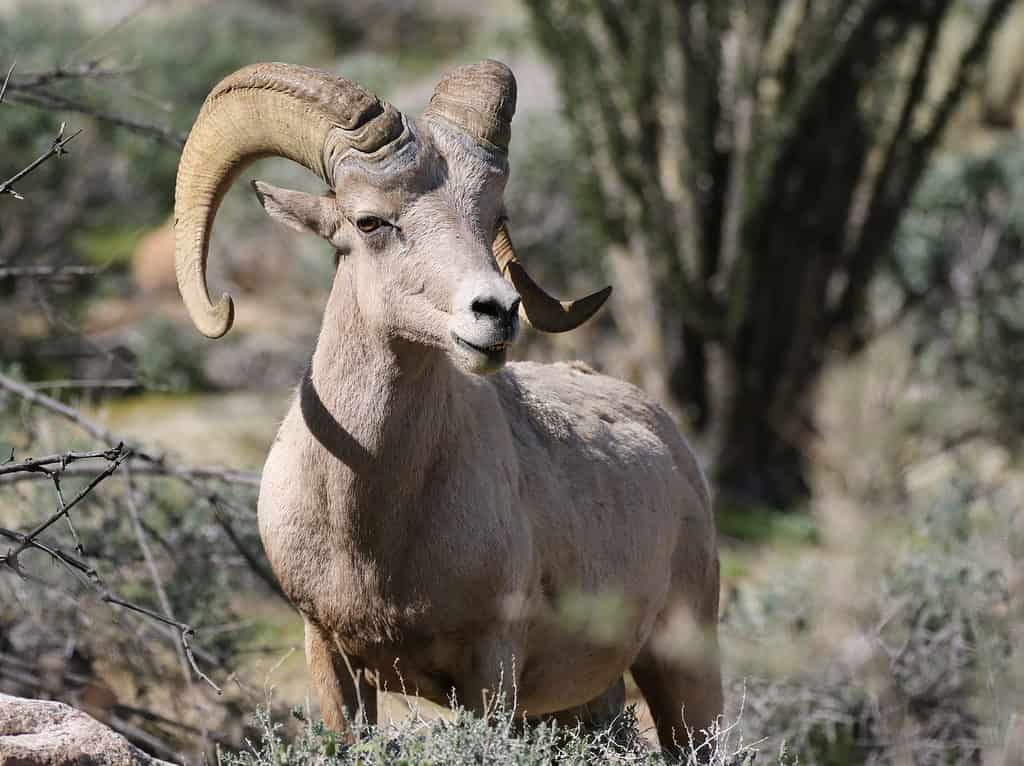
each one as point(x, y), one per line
point(597, 714)
point(489, 679)
point(341, 683)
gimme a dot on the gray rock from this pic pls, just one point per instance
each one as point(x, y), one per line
point(42, 733)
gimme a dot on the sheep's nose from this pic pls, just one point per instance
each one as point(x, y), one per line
point(493, 307)
point(501, 308)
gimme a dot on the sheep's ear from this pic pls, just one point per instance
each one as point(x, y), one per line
point(297, 210)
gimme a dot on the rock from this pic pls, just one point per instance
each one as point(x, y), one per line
point(42, 733)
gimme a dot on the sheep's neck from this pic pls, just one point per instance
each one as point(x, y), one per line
point(363, 402)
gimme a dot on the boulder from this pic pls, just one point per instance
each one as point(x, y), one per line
point(43, 733)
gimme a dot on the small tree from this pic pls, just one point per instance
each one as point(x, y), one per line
point(749, 163)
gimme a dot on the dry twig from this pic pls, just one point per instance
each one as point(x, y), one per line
point(46, 272)
point(53, 466)
point(7, 79)
point(33, 90)
point(56, 150)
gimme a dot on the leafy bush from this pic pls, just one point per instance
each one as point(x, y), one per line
point(90, 208)
point(957, 262)
point(165, 357)
point(925, 677)
point(179, 546)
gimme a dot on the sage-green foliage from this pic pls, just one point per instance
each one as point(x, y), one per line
point(169, 62)
point(55, 620)
point(934, 669)
point(90, 207)
point(958, 260)
point(466, 740)
point(165, 357)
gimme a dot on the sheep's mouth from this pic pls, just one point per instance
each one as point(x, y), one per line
point(493, 351)
point(481, 359)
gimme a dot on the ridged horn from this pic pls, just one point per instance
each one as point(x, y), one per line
point(537, 307)
point(480, 100)
point(309, 116)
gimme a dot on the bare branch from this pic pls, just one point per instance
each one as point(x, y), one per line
point(64, 459)
point(11, 558)
point(146, 466)
point(79, 385)
point(185, 631)
point(32, 90)
point(7, 79)
point(34, 397)
point(92, 70)
point(56, 150)
point(46, 272)
point(151, 462)
point(154, 572)
point(54, 102)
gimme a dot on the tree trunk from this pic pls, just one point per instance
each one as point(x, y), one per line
point(749, 180)
point(763, 454)
point(688, 381)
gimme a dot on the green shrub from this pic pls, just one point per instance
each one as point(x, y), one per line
point(957, 263)
point(165, 357)
point(932, 657)
point(467, 740)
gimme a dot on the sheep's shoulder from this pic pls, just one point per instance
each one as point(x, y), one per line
point(567, 409)
point(570, 400)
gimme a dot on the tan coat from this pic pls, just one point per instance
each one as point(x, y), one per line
point(535, 532)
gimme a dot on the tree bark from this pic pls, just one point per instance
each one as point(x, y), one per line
point(750, 178)
point(763, 457)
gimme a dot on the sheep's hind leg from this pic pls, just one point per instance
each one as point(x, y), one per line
point(342, 686)
point(685, 698)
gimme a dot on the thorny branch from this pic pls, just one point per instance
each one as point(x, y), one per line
point(33, 90)
point(124, 454)
point(186, 632)
point(145, 466)
point(7, 79)
point(64, 459)
point(55, 102)
point(56, 150)
point(46, 272)
point(11, 558)
point(149, 461)
point(93, 466)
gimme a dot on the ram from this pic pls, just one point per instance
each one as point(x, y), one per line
point(431, 523)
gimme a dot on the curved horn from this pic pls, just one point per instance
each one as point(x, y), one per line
point(538, 307)
point(311, 117)
point(480, 100)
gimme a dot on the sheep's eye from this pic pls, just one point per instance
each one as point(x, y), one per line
point(370, 223)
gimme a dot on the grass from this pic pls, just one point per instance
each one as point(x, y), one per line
point(766, 526)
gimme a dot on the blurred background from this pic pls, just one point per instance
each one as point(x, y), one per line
point(812, 215)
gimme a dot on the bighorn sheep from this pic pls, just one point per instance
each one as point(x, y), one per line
point(427, 522)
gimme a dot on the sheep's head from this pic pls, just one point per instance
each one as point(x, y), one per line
point(416, 212)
